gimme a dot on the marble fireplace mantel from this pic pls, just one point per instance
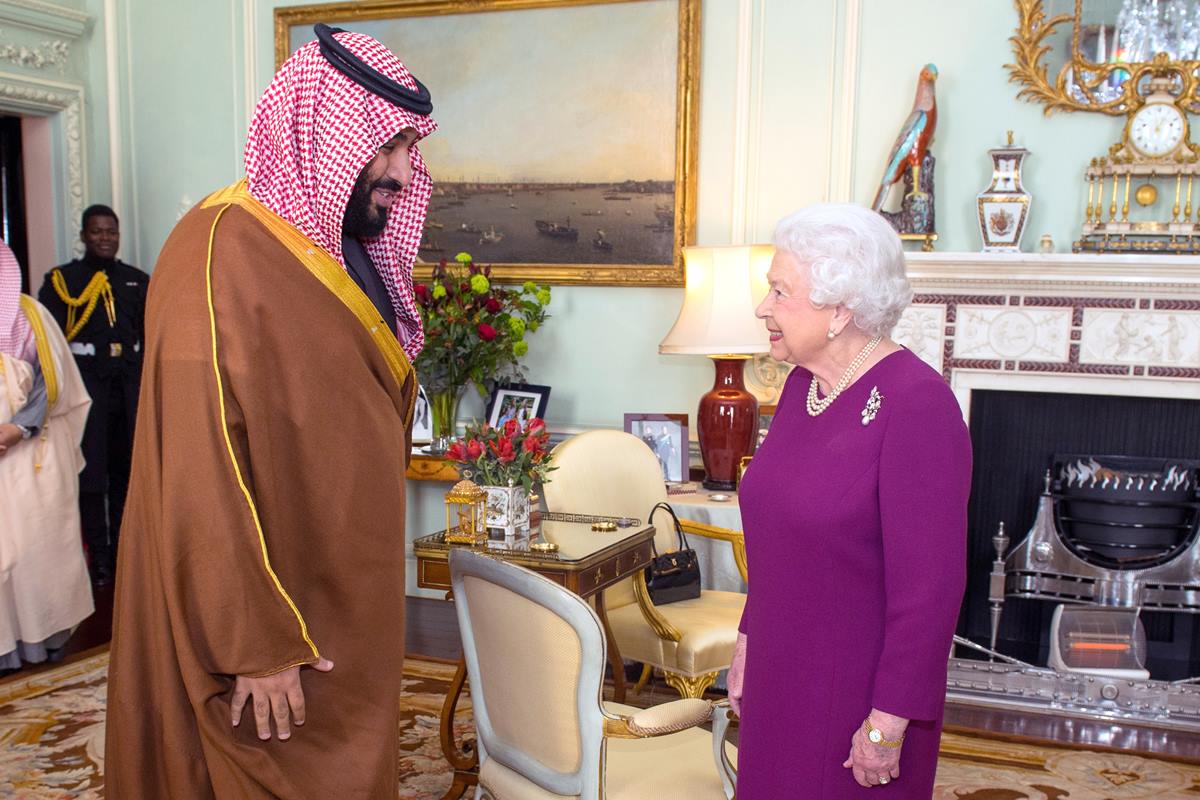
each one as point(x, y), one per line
point(1089, 324)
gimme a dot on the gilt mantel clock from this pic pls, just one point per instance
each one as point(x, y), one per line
point(1155, 165)
point(1139, 196)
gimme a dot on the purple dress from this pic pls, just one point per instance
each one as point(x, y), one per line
point(856, 539)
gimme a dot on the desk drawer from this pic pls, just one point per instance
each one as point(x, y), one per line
point(614, 570)
point(433, 574)
point(631, 563)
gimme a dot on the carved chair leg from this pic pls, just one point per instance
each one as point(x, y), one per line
point(691, 687)
point(647, 671)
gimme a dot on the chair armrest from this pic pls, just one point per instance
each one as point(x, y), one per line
point(736, 539)
point(723, 720)
point(659, 720)
point(654, 618)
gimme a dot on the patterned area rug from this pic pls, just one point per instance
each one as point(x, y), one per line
point(52, 748)
point(979, 768)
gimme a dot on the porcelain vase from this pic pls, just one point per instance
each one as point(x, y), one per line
point(1004, 205)
point(507, 511)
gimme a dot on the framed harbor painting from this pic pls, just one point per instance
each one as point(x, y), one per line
point(566, 142)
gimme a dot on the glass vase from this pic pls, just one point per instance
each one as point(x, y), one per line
point(443, 406)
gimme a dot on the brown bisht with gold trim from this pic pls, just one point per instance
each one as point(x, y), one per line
point(265, 520)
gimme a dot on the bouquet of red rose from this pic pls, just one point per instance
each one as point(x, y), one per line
point(504, 456)
point(474, 329)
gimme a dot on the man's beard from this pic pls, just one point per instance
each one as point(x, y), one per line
point(363, 218)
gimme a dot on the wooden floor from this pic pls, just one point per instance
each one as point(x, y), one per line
point(431, 631)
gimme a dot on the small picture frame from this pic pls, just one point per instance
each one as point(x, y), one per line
point(743, 465)
point(519, 401)
point(766, 413)
point(667, 437)
point(422, 426)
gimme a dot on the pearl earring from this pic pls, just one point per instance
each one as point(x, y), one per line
point(831, 335)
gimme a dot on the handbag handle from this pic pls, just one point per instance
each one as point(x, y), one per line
point(678, 527)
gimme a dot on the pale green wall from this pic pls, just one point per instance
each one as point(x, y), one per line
point(94, 71)
point(181, 110)
point(775, 134)
point(976, 105)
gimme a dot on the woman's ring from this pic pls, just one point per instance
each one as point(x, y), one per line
point(883, 779)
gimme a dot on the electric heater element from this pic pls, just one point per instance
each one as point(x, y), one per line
point(1098, 641)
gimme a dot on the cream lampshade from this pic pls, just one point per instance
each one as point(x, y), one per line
point(723, 286)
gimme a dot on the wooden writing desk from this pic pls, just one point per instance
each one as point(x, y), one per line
point(424, 467)
point(587, 562)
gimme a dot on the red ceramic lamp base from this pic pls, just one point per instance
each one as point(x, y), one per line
point(727, 424)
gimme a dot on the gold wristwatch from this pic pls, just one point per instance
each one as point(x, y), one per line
point(876, 736)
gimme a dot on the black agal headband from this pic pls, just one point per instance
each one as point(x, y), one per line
point(368, 77)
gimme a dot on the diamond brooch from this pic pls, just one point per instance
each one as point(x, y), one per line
point(872, 407)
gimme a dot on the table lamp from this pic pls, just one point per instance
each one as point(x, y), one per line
point(723, 285)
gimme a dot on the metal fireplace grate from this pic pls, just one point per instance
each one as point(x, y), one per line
point(1123, 512)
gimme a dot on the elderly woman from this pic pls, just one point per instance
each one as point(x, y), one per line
point(855, 516)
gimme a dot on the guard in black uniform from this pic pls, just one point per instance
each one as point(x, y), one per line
point(100, 303)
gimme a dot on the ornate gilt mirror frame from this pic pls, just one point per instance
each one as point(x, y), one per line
point(686, 82)
point(1077, 84)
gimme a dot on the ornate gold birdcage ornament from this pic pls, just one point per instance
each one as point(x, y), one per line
point(466, 514)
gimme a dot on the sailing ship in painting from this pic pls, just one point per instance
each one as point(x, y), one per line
point(556, 230)
point(491, 236)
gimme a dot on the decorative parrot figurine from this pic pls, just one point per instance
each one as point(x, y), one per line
point(914, 138)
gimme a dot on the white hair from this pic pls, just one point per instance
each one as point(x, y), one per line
point(855, 260)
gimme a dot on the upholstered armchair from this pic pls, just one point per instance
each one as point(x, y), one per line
point(615, 474)
point(535, 656)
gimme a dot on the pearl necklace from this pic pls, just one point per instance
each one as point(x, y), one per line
point(815, 406)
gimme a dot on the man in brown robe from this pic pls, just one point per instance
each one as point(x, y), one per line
point(260, 584)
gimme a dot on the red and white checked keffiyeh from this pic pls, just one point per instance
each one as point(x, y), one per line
point(312, 133)
point(16, 335)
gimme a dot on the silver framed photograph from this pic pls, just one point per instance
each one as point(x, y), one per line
point(422, 426)
point(667, 437)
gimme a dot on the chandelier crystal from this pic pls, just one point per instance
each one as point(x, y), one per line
point(1146, 28)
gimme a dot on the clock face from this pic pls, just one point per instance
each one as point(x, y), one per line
point(1156, 129)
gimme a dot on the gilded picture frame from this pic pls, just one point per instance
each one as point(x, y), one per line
point(592, 227)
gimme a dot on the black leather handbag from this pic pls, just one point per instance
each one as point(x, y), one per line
point(674, 576)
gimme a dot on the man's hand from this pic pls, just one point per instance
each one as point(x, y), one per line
point(278, 696)
point(9, 435)
point(737, 671)
point(874, 764)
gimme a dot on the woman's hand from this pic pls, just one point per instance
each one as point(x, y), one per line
point(737, 670)
point(875, 764)
point(277, 696)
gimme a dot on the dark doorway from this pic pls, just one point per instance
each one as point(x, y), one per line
point(12, 195)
